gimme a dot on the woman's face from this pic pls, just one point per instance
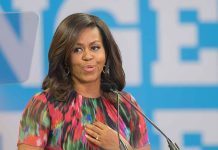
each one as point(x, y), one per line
point(88, 57)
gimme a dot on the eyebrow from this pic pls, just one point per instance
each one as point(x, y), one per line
point(96, 41)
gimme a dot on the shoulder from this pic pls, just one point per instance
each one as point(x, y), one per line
point(36, 109)
point(128, 96)
point(40, 96)
point(128, 99)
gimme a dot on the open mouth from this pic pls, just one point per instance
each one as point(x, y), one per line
point(89, 68)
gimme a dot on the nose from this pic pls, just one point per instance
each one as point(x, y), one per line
point(87, 55)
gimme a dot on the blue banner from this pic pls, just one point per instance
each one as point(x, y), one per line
point(169, 50)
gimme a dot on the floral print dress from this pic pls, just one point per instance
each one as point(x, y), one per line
point(59, 125)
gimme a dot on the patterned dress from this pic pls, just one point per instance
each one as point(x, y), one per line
point(57, 125)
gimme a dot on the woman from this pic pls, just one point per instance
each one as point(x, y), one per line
point(74, 110)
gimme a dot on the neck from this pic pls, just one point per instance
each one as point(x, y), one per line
point(91, 90)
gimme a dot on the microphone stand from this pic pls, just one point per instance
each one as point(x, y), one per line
point(122, 146)
point(171, 145)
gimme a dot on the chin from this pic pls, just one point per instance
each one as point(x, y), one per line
point(90, 79)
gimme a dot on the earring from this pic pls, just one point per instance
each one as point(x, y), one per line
point(67, 70)
point(106, 69)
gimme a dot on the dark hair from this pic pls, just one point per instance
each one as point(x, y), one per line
point(58, 81)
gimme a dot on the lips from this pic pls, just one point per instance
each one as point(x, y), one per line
point(89, 68)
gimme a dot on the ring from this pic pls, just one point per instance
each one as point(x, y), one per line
point(96, 138)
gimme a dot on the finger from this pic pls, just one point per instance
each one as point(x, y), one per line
point(100, 125)
point(91, 133)
point(104, 127)
point(93, 140)
point(93, 128)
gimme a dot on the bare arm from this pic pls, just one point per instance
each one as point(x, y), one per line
point(28, 147)
point(146, 147)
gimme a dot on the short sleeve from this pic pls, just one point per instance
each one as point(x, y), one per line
point(138, 128)
point(35, 122)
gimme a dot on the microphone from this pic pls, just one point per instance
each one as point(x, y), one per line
point(107, 87)
point(113, 88)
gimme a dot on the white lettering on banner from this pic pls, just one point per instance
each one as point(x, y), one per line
point(129, 44)
point(123, 15)
point(9, 128)
point(172, 35)
point(177, 123)
point(36, 72)
point(14, 47)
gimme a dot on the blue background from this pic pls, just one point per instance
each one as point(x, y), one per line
point(14, 96)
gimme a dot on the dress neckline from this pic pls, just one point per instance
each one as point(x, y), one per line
point(87, 98)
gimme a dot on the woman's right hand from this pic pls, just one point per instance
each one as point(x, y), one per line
point(28, 147)
point(102, 135)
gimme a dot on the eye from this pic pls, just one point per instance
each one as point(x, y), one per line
point(95, 48)
point(77, 50)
